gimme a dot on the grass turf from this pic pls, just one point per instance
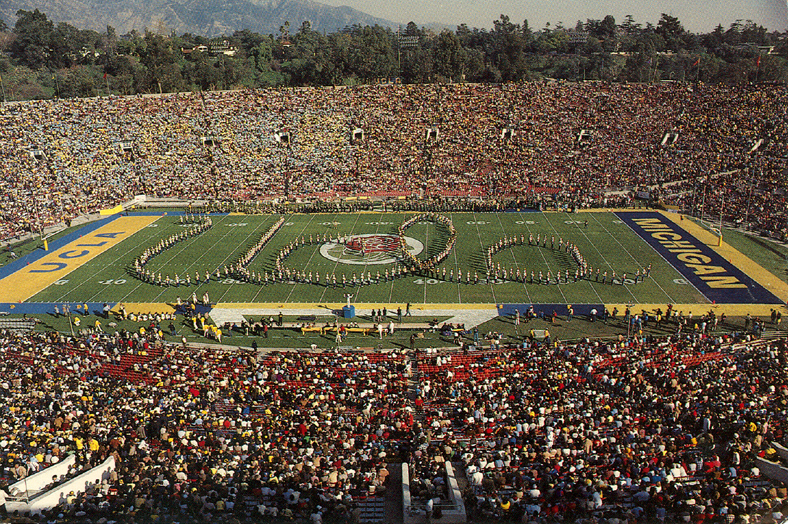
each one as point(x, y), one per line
point(605, 242)
point(561, 329)
point(769, 255)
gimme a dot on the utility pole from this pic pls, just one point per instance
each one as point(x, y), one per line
point(399, 51)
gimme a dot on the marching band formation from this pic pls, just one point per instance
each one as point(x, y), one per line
point(200, 225)
point(407, 263)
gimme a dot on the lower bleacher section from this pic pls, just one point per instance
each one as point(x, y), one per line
point(594, 429)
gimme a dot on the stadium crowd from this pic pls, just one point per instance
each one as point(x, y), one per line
point(656, 428)
point(661, 430)
point(575, 142)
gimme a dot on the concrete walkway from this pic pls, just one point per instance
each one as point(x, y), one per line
point(392, 509)
point(468, 317)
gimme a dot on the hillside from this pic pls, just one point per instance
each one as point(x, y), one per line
point(202, 17)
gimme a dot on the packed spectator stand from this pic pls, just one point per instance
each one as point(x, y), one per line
point(580, 143)
point(634, 430)
point(650, 429)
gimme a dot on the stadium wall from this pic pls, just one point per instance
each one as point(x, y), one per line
point(55, 496)
point(36, 482)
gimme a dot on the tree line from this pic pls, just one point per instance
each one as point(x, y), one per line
point(41, 59)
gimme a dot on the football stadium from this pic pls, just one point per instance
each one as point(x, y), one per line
point(537, 302)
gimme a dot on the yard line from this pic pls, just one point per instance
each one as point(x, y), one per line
point(426, 248)
point(366, 266)
point(601, 255)
point(544, 258)
point(484, 255)
point(305, 228)
point(670, 299)
point(514, 258)
point(456, 266)
point(391, 286)
point(336, 263)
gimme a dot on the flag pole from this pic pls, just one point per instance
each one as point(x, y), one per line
point(722, 207)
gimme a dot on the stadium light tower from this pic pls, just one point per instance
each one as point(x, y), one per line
point(406, 41)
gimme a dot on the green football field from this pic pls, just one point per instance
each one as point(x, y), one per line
point(604, 240)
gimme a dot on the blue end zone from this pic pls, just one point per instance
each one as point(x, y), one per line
point(716, 278)
point(508, 310)
point(44, 308)
point(38, 254)
point(17, 265)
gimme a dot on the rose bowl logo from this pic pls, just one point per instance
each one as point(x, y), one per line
point(368, 249)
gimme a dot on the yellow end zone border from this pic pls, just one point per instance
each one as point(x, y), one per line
point(42, 273)
point(752, 269)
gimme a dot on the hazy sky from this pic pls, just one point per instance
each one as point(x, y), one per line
point(696, 16)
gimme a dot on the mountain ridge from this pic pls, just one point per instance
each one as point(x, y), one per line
point(200, 17)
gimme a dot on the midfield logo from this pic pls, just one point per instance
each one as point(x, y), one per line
point(369, 249)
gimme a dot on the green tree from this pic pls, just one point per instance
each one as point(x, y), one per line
point(162, 68)
point(263, 54)
point(671, 30)
point(508, 49)
point(311, 62)
point(372, 54)
point(629, 25)
point(449, 57)
point(79, 82)
point(32, 45)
